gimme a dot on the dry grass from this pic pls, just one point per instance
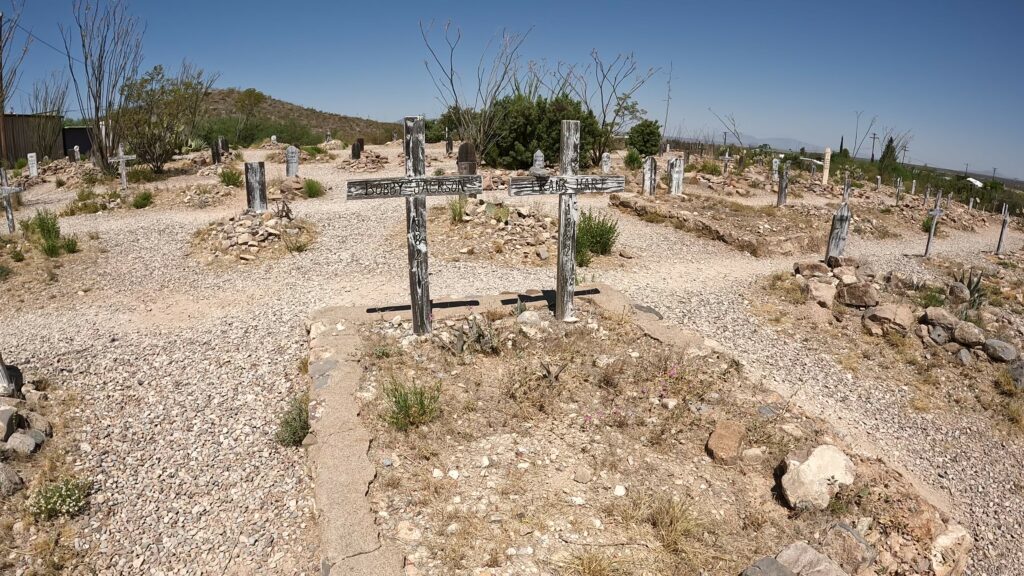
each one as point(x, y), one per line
point(593, 564)
point(785, 286)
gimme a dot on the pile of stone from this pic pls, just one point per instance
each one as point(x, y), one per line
point(497, 230)
point(334, 144)
point(964, 340)
point(203, 195)
point(23, 430)
point(69, 171)
point(290, 188)
point(247, 235)
point(369, 161)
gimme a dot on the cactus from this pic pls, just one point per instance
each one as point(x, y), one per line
point(974, 287)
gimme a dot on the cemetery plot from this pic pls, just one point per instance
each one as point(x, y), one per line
point(249, 237)
point(952, 338)
point(32, 258)
point(513, 442)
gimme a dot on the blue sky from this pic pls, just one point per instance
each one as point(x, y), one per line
point(950, 71)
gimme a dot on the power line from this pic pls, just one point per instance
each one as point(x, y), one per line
point(47, 44)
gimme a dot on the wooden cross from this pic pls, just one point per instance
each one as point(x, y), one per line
point(567, 185)
point(415, 188)
point(121, 158)
point(1002, 230)
point(7, 191)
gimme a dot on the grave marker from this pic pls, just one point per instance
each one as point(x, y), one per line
point(33, 165)
point(899, 190)
point(935, 214)
point(567, 185)
point(846, 187)
point(291, 159)
point(826, 164)
point(415, 188)
point(273, 139)
point(775, 169)
point(256, 187)
point(538, 168)
point(783, 186)
point(1002, 230)
point(466, 160)
point(970, 205)
point(606, 163)
point(121, 159)
point(7, 191)
point(675, 170)
point(725, 163)
point(650, 176)
point(223, 143)
point(839, 233)
point(878, 183)
point(78, 154)
point(927, 195)
point(215, 153)
point(913, 187)
point(357, 150)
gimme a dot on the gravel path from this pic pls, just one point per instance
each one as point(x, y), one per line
point(179, 372)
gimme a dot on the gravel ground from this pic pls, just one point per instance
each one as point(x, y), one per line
point(179, 371)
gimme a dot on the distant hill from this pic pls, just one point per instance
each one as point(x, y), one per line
point(345, 128)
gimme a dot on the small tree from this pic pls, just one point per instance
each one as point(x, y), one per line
point(887, 162)
point(160, 112)
point(645, 137)
point(247, 103)
point(529, 124)
point(48, 98)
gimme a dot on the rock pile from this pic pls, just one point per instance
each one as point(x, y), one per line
point(204, 195)
point(70, 172)
point(369, 161)
point(496, 230)
point(23, 431)
point(248, 235)
point(290, 188)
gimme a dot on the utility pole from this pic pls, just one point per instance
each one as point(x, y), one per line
point(725, 136)
point(3, 95)
point(965, 170)
point(668, 102)
point(993, 175)
point(904, 155)
point(874, 137)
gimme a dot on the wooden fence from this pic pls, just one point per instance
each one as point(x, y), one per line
point(26, 133)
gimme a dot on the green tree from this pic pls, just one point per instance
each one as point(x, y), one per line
point(887, 162)
point(247, 104)
point(161, 112)
point(530, 124)
point(645, 137)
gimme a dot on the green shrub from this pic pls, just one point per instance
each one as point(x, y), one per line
point(583, 257)
point(530, 124)
point(142, 200)
point(314, 151)
point(926, 225)
point(21, 163)
point(293, 426)
point(645, 137)
point(410, 406)
point(633, 159)
point(312, 188)
point(230, 177)
point(17, 255)
point(5, 272)
point(456, 209)
point(691, 167)
point(66, 497)
point(711, 168)
point(51, 248)
point(143, 174)
point(596, 233)
point(46, 225)
point(439, 172)
point(932, 297)
point(69, 244)
point(59, 182)
point(85, 194)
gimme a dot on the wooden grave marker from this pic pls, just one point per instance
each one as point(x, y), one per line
point(650, 176)
point(838, 234)
point(675, 171)
point(33, 165)
point(783, 186)
point(415, 187)
point(1002, 230)
point(256, 187)
point(7, 191)
point(568, 184)
point(121, 159)
point(935, 214)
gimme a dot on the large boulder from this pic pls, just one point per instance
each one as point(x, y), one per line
point(1000, 351)
point(936, 316)
point(8, 422)
point(10, 481)
point(968, 335)
point(860, 295)
point(803, 560)
point(725, 441)
point(893, 316)
point(810, 483)
point(811, 268)
point(958, 293)
point(22, 443)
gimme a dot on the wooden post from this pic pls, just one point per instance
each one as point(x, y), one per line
point(846, 187)
point(8, 192)
point(913, 187)
point(291, 159)
point(416, 221)
point(838, 234)
point(215, 153)
point(970, 205)
point(6, 382)
point(899, 190)
point(1002, 230)
point(825, 165)
point(256, 187)
point(935, 214)
point(121, 159)
point(569, 215)
point(878, 183)
point(650, 175)
point(783, 186)
point(675, 170)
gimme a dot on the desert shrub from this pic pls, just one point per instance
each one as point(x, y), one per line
point(593, 564)
point(230, 177)
point(293, 426)
point(59, 182)
point(596, 233)
point(931, 297)
point(85, 194)
point(531, 124)
point(673, 524)
point(5, 272)
point(710, 168)
point(439, 172)
point(66, 497)
point(501, 213)
point(691, 167)
point(583, 257)
point(142, 174)
point(256, 129)
point(926, 225)
point(295, 245)
point(456, 209)
point(411, 405)
point(69, 244)
point(645, 137)
point(314, 151)
point(45, 224)
point(312, 188)
point(51, 248)
point(17, 255)
point(142, 200)
point(633, 159)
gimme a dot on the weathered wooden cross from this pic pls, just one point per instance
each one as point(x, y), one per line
point(936, 213)
point(7, 191)
point(783, 186)
point(415, 188)
point(121, 159)
point(1002, 230)
point(568, 184)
